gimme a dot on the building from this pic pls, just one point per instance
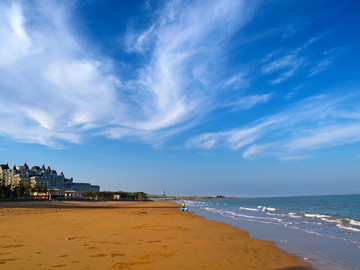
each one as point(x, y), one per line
point(57, 185)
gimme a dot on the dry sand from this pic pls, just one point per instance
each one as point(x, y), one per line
point(127, 235)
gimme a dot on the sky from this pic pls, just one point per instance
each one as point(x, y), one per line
point(235, 98)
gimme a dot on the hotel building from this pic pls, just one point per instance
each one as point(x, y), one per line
point(58, 185)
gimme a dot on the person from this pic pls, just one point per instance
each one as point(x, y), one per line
point(183, 206)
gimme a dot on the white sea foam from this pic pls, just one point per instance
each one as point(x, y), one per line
point(316, 223)
point(330, 220)
point(249, 209)
point(342, 226)
point(264, 208)
point(276, 214)
point(354, 222)
point(243, 216)
point(294, 215)
point(319, 216)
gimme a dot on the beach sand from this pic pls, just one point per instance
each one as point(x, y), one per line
point(127, 235)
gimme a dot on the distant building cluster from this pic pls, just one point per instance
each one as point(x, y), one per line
point(57, 184)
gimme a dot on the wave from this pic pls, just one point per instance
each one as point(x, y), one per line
point(294, 215)
point(248, 217)
point(342, 223)
point(354, 222)
point(249, 209)
point(346, 227)
point(265, 208)
point(321, 224)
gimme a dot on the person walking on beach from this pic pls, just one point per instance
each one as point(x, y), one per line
point(183, 206)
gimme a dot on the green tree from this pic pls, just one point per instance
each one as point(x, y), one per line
point(26, 191)
point(44, 189)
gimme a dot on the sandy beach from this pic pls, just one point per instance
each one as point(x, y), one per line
point(127, 235)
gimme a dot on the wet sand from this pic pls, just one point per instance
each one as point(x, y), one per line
point(127, 235)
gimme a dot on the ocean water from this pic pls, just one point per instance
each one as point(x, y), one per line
point(323, 230)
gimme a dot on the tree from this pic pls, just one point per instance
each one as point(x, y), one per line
point(44, 189)
point(27, 191)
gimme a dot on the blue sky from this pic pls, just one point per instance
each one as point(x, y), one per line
point(244, 98)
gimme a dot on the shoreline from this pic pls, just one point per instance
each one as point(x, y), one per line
point(128, 235)
point(313, 239)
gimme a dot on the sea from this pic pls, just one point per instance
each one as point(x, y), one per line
point(321, 230)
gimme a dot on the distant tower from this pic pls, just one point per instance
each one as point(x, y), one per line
point(163, 192)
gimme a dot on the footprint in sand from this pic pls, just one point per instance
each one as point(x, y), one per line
point(154, 241)
point(117, 255)
point(3, 261)
point(13, 246)
point(99, 255)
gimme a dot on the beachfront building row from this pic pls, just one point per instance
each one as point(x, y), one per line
point(57, 184)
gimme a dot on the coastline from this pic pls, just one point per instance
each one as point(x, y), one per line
point(128, 235)
point(310, 233)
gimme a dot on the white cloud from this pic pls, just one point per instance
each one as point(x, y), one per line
point(234, 139)
point(254, 150)
point(326, 137)
point(293, 158)
point(248, 102)
point(280, 63)
point(15, 41)
point(288, 64)
point(322, 65)
point(63, 92)
point(313, 123)
point(236, 81)
point(205, 141)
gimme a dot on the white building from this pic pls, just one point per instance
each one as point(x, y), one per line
point(57, 185)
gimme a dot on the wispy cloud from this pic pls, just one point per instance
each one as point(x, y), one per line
point(294, 158)
point(313, 123)
point(64, 92)
point(288, 63)
point(255, 150)
point(322, 65)
point(287, 66)
point(237, 81)
point(58, 91)
point(248, 102)
point(327, 136)
point(293, 91)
